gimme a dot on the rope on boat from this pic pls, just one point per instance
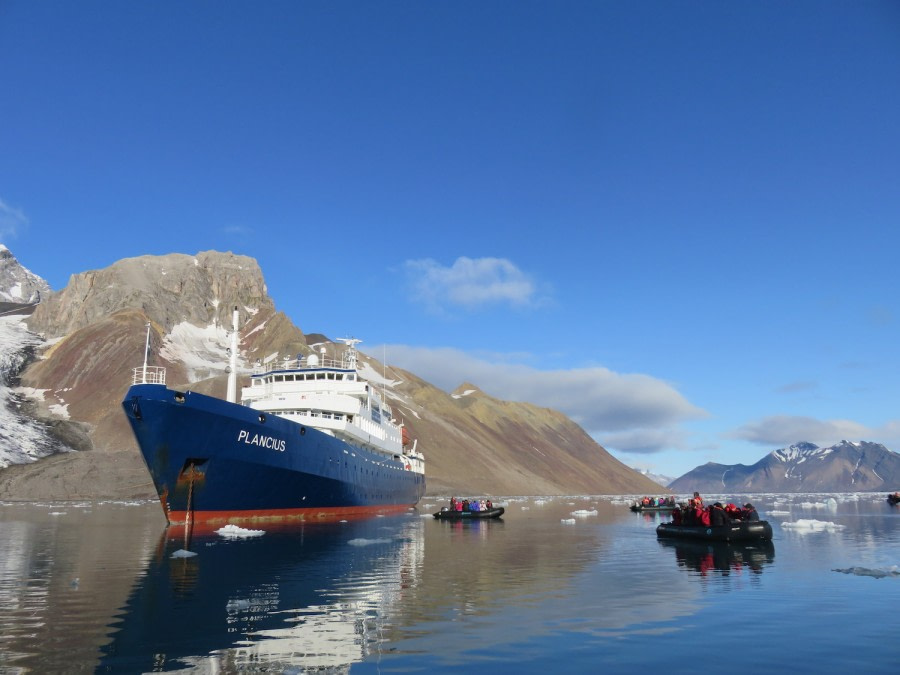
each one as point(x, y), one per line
point(187, 512)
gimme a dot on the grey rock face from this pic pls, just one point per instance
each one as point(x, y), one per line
point(17, 284)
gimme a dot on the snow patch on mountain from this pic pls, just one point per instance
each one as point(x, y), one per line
point(22, 439)
point(203, 350)
point(801, 452)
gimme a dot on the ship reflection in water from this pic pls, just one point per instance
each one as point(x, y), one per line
point(722, 557)
point(314, 597)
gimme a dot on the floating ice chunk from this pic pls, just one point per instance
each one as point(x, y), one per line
point(813, 505)
point(567, 521)
point(584, 512)
point(368, 542)
point(235, 532)
point(811, 525)
point(867, 572)
point(779, 513)
point(181, 553)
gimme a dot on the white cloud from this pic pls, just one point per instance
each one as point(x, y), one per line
point(470, 283)
point(645, 441)
point(784, 430)
point(11, 220)
point(636, 411)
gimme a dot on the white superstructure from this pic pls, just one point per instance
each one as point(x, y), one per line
point(329, 395)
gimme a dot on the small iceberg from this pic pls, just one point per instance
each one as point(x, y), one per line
point(181, 553)
point(235, 532)
point(584, 512)
point(567, 521)
point(810, 525)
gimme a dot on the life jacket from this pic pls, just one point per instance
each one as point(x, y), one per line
point(704, 516)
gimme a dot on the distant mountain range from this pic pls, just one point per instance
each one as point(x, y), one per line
point(92, 334)
point(662, 481)
point(804, 467)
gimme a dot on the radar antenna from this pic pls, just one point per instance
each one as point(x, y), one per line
point(351, 350)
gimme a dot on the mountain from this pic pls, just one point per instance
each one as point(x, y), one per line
point(17, 284)
point(656, 478)
point(804, 467)
point(95, 330)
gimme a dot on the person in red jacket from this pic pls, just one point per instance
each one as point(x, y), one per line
point(703, 516)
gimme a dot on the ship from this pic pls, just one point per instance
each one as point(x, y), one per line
point(310, 440)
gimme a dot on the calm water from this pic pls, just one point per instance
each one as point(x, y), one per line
point(95, 588)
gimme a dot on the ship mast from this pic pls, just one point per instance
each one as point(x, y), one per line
point(146, 351)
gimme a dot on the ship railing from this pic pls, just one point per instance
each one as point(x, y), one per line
point(300, 364)
point(148, 375)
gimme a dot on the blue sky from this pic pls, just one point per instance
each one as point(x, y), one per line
point(676, 222)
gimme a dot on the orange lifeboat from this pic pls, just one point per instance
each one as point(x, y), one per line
point(404, 433)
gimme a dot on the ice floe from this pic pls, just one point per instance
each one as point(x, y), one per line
point(181, 553)
point(811, 525)
point(235, 532)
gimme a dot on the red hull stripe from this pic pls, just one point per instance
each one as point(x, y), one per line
point(212, 520)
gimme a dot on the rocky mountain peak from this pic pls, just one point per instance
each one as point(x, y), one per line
point(172, 289)
point(796, 452)
point(465, 389)
point(18, 284)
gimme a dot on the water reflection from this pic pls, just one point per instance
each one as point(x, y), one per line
point(315, 597)
point(578, 576)
point(724, 558)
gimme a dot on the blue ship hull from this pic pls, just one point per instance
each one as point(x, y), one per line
point(215, 462)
